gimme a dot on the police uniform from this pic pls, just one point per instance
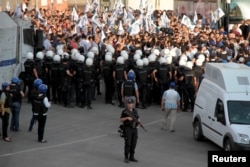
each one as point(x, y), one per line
point(119, 79)
point(55, 81)
point(107, 72)
point(79, 79)
point(130, 119)
point(141, 80)
point(40, 107)
point(29, 76)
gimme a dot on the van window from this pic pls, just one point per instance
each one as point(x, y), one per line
point(219, 111)
point(239, 112)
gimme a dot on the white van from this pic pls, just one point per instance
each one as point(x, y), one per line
point(222, 106)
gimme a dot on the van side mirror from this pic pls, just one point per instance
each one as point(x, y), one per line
point(221, 118)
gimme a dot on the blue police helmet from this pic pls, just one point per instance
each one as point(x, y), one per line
point(15, 80)
point(42, 88)
point(37, 82)
point(172, 85)
point(131, 76)
point(248, 64)
point(4, 85)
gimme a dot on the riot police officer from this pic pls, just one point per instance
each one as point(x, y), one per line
point(55, 78)
point(141, 80)
point(189, 82)
point(88, 81)
point(48, 60)
point(40, 107)
point(129, 89)
point(130, 119)
point(119, 77)
point(107, 72)
point(29, 76)
point(79, 77)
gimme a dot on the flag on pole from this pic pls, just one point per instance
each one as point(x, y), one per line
point(217, 14)
point(74, 15)
point(186, 21)
point(120, 29)
point(87, 7)
point(8, 6)
point(18, 11)
point(195, 17)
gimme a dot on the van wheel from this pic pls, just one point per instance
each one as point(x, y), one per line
point(227, 145)
point(197, 132)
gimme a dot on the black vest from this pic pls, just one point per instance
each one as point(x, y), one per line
point(107, 70)
point(129, 88)
point(119, 72)
point(79, 71)
point(28, 67)
point(37, 104)
point(54, 71)
point(141, 76)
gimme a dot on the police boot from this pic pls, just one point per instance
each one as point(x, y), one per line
point(132, 158)
point(126, 160)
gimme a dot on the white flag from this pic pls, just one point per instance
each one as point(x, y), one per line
point(195, 17)
point(8, 6)
point(218, 13)
point(74, 15)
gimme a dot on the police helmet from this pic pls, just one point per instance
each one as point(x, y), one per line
point(182, 62)
point(198, 62)
point(56, 58)
point(110, 48)
point(95, 50)
point(108, 53)
point(76, 56)
point(137, 56)
point(201, 57)
point(74, 52)
point(172, 53)
point(165, 52)
point(189, 64)
point(39, 55)
point(89, 62)
point(120, 60)
point(59, 52)
point(81, 58)
point(29, 55)
point(131, 75)
point(162, 60)
point(169, 59)
point(145, 61)
point(124, 54)
point(59, 47)
point(248, 63)
point(138, 51)
point(4, 85)
point(156, 52)
point(151, 57)
point(15, 80)
point(108, 57)
point(42, 88)
point(37, 82)
point(91, 55)
point(49, 54)
point(139, 62)
point(65, 56)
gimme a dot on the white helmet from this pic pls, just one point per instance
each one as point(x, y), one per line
point(189, 64)
point(91, 55)
point(59, 47)
point(39, 55)
point(169, 59)
point(110, 48)
point(76, 56)
point(138, 51)
point(156, 52)
point(108, 53)
point(80, 58)
point(165, 52)
point(120, 60)
point(136, 56)
point(151, 57)
point(49, 53)
point(163, 60)
point(56, 58)
point(59, 52)
point(108, 57)
point(178, 51)
point(73, 53)
point(182, 62)
point(172, 53)
point(65, 55)
point(30, 55)
point(198, 62)
point(139, 62)
point(145, 61)
point(201, 57)
point(89, 62)
point(94, 50)
point(124, 54)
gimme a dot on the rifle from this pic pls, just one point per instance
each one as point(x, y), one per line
point(136, 120)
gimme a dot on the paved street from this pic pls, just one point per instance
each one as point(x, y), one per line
point(88, 138)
